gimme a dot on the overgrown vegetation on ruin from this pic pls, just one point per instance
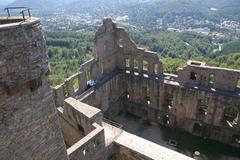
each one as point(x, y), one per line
point(67, 51)
point(186, 140)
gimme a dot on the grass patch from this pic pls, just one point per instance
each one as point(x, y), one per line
point(190, 143)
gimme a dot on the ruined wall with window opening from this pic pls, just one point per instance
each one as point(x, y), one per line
point(202, 100)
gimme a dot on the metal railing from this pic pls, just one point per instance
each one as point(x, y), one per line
point(23, 10)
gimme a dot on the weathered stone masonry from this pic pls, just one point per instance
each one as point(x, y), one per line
point(129, 78)
point(197, 100)
point(29, 126)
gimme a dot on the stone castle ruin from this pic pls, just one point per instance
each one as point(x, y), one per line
point(66, 122)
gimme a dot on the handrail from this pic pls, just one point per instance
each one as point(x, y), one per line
point(24, 9)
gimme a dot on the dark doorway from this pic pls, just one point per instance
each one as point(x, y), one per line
point(193, 76)
point(197, 129)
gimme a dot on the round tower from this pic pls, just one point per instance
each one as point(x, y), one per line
point(29, 124)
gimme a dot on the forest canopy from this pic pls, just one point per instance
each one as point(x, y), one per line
point(67, 50)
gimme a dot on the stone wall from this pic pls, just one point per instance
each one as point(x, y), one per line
point(23, 53)
point(114, 49)
point(92, 146)
point(65, 90)
point(125, 153)
point(71, 132)
point(29, 124)
point(78, 113)
point(132, 79)
point(83, 131)
point(198, 73)
point(147, 96)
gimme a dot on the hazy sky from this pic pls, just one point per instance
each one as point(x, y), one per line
point(4, 2)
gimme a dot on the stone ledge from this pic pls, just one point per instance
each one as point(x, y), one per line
point(28, 21)
point(147, 149)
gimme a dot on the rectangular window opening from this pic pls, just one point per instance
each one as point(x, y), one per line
point(87, 74)
point(75, 85)
point(127, 63)
point(204, 104)
point(231, 113)
point(238, 83)
point(102, 69)
point(193, 76)
point(212, 78)
point(148, 91)
point(168, 101)
point(66, 91)
point(145, 65)
point(156, 68)
point(202, 109)
point(135, 64)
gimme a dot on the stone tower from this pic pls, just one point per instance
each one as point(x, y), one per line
point(29, 126)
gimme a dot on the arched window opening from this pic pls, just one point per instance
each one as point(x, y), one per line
point(148, 95)
point(197, 129)
point(212, 78)
point(120, 42)
point(231, 115)
point(165, 120)
point(127, 95)
point(168, 101)
point(127, 63)
point(202, 109)
point(155, 68)
point(193, 76)
point(236, 139)
point(148, 102)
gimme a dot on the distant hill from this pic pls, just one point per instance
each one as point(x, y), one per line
point(63, 4)
point(150, 9)
point(72, 4)
point(41, 4)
